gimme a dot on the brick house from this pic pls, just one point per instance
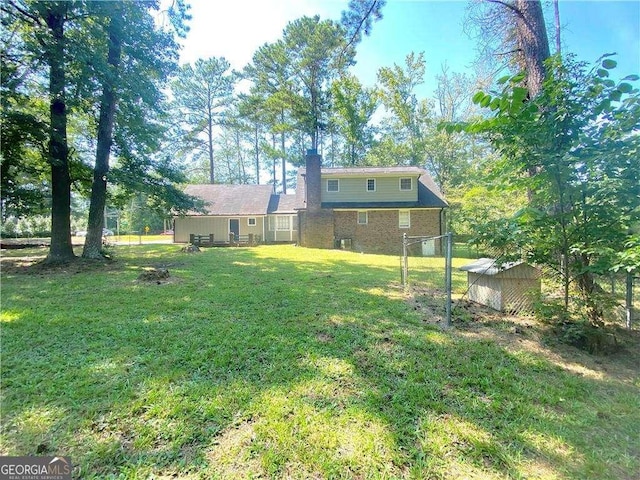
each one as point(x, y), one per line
point(366, 209)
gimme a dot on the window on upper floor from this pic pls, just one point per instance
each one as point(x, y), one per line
point(371, 184)
point(363, 218)
point(406, 184)
point(333, 185)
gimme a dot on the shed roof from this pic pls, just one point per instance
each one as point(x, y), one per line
point(488, 266)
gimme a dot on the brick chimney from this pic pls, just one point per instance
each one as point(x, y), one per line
point(313, 162)
point(316, 224)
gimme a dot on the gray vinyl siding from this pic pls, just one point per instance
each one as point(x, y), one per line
point(354, 189)
point(219, 226)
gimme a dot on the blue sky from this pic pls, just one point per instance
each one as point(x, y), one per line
point(236, 28)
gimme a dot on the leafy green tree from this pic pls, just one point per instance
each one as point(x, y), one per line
point(132, 58)
point(250, 114)
point(449, 154)
point(579, 138)
point(108, 102)
point(202, 94)
point(42, 30)
point(352, 110)
point(64, 47)
point(404, 141)
point(359, 18)
point(272, 97)
point(318, 54)
point(24, 188)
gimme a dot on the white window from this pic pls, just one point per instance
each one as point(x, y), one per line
point(363, 218)
point(405, 184)
point(371, 184)
point(333, 185)
point(283, 222)
point(251, 222)
point(404, 219)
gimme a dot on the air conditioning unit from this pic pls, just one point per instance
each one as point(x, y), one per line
point(345, 244)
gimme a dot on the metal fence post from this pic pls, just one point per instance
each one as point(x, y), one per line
point(448, 267)
point(404, 261)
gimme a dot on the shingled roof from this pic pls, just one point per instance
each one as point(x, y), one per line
point(233, 199)
point(282, 204)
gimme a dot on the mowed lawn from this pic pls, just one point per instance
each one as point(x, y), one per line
point(285, 362)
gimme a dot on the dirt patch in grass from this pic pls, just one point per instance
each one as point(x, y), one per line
point(156, 276)
point(524, 333)
point(34, 265)
point(231, 455)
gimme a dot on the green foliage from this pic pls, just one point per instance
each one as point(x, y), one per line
point(202, 93)
point(149, 55)
point(629, 258)
point(317, 53)
point(23, 128)
point(352, 109)
point(574, 149)
point(409, 118)
point(359, 18)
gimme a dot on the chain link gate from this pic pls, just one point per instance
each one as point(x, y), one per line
point(429, 247)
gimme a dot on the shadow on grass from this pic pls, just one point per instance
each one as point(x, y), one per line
point(286, 362)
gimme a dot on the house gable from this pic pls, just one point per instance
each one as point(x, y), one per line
point(353, 191)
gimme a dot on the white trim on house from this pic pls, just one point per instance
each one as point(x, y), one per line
point(353, 209)
point(337, 185)
point(279, 220)
point(374, 184)
point(407, 223)
point(410, 184)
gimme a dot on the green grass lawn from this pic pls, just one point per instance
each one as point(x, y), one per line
point(285, 362)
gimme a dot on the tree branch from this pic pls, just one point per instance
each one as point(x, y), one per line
point(23, 12)
point(357, 31)
point(515, 50)
point(509, 6)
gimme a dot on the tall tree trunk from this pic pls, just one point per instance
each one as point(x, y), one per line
point(210, 143)
point(284, 163)
point(241, 170)
point(532, 41)
point(93, 242)
point(61, 249)
point(257, 151)
point(556, 12)
point(275, 177)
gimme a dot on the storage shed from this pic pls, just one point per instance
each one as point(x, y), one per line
point(505, 287)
